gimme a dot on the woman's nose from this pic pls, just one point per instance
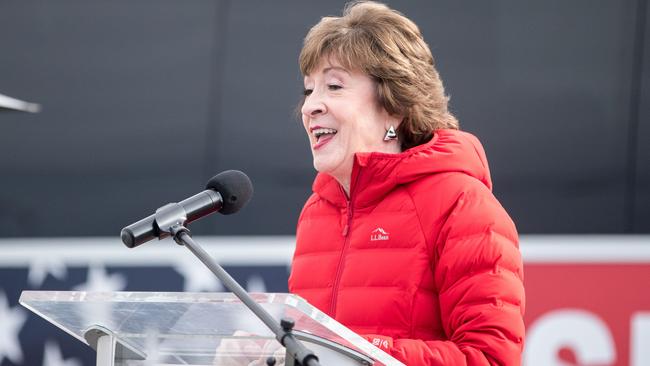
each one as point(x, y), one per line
point(313, 106)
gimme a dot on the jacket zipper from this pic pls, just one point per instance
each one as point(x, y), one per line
point(339, 270)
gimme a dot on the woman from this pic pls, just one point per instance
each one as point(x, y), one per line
point(402, 240)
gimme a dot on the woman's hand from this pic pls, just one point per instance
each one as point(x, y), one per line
point(275, 349)
point(240, 350)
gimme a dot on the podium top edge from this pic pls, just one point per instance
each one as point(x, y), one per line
point(139, 296)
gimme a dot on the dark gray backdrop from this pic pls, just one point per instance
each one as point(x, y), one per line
point(144, 100)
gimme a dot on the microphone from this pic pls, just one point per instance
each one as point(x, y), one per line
point(226, 192)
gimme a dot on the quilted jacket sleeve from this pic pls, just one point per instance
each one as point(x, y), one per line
point(479, 277)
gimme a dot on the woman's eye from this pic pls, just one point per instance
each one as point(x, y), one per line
point(307, 92)
point(334, 87)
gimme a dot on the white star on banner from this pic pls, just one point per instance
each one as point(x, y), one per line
point(197, 278)
point(11, 322)
point(255, 283)
point(52, 356)
point(40, 267)
point(100, 313)
point(99, 281)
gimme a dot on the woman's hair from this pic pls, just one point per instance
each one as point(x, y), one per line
point(389, 47)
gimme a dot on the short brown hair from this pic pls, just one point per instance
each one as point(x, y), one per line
point(389, 47)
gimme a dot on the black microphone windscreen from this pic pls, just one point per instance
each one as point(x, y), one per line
point(235, 188)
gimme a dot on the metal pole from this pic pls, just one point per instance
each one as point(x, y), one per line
point(282, 333)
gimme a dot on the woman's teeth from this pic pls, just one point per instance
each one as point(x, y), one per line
point(323, 131)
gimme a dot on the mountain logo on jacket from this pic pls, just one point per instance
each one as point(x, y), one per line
point(379, 234)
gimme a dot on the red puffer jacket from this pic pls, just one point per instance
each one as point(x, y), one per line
point(421, 254)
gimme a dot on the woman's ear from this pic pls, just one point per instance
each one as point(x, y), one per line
point(392, 120)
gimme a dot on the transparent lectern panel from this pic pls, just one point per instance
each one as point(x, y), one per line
point(191, 328)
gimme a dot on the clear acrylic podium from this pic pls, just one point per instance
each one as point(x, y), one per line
point(162, 328)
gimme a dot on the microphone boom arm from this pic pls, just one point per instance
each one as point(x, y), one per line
point(170, 220)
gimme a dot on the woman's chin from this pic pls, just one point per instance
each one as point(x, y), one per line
point(320, 167)
point(337, 168)
point(324, 166)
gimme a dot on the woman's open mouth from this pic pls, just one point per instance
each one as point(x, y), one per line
point(323, 136)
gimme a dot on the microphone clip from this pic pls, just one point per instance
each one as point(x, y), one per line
point(169, 220)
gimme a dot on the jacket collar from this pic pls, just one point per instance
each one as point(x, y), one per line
point(376, 174)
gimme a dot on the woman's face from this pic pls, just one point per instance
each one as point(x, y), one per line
point(342, 116)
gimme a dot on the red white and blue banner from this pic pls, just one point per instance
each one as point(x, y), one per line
point(588, 297)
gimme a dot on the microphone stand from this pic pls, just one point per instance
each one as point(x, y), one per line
point(171, 219)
